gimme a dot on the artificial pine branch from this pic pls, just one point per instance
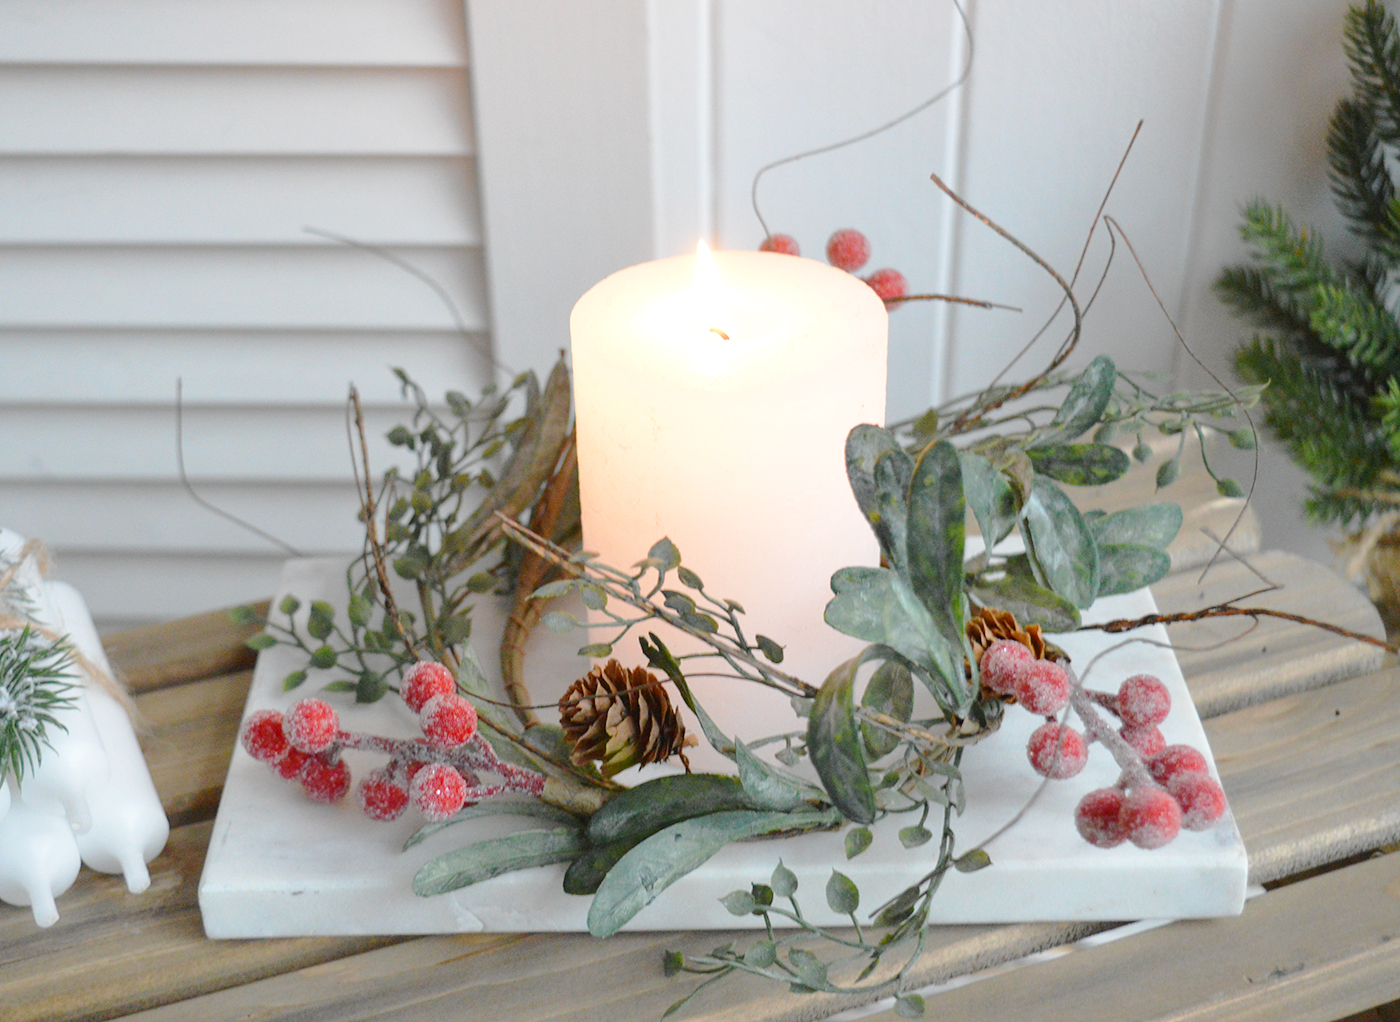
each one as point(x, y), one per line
point(1359, 176)
point(1373, 48)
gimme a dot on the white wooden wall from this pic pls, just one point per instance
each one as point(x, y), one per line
point(160, 158)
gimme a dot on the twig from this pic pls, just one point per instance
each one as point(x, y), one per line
point(1229, 610)
point(371, 530)
point(958, 299)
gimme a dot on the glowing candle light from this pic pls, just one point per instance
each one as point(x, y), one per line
point(713, 405)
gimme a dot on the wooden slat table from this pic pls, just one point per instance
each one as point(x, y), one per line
point(1305, 727)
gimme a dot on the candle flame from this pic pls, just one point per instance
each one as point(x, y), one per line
point(711, 298)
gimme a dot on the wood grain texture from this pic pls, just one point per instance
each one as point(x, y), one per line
point(1277, 657)
point(158, 656)
point(112, 953)
point(1307, 953)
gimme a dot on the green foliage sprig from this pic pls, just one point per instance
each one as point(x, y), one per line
point(1329, 349)
point(36, 682)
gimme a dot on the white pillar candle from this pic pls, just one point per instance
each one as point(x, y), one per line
point(733, 446)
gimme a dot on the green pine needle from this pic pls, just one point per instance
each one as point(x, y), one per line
point(35, 684)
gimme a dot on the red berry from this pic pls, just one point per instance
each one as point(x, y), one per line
point(424, 680)
point(889, 285)
point(438, 790)
point(263, 736)
point(289, 764)
point(311, 725)
point(1043, 688)
point(1148, 741)
point(1143, 701)
point(1176, 759)
point(1072, 755)
point(324, 783)
point(1001, 662)
point(448, 721)
point(784, 244)
point(1098, 818)
point(1150, 817)
point(1202, 800)
point(380, 798)
point(848, 250)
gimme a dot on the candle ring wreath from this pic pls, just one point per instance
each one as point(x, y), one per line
point(493, 508)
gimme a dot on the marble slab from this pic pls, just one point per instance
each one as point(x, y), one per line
point(280, 865)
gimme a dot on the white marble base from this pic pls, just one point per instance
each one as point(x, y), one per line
point(280, 865)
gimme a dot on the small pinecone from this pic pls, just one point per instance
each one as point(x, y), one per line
point(621, 717)
point(989, 624)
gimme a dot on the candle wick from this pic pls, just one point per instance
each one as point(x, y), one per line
point(717, 330)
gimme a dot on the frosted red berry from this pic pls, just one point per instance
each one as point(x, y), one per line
point(289, 764)
point(1150, 817)
point(262, 735)
point(438, 791)
point(1043, 688)
point(1143, 701)
point(1071, 756)
point(847, 250)
point(1001, 662)
point(1200, 797)
point(1098, 818)
point(448, 721)
point(380, 798)
point(324, 782)
point(424, 680)
point(311, 725)
point(784, 244)
point(1147, 741)
point(1174, 760)
point(889, 285)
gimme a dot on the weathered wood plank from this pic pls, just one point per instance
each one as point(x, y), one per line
point(190, 736)
point(157, 656)
point(1277, 657)
point(1312, 778)
point(112, 953)
point(1309, 952)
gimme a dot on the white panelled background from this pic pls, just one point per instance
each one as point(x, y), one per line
point(160, 159)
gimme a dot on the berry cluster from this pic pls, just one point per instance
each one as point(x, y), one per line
point(437, 773)
point(848, 250)
point(1162, 787)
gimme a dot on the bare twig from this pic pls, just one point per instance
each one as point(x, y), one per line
point(1229, 610)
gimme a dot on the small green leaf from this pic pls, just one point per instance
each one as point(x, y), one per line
point(560, 623)
point(937, 516)
point(909, 1006)
point(1084, 404)
point(1032, 604)
point(913, 837)
point(890, 691)
point(243, 615)
point(1125, 567)
point(811, 970)
point(1229, 488)
point(455, 629)
point(596, 649)
point(486, 859)
point(560, 587)
point(739, 903)
point(1060, 543)
point(370, 687)
point(593, 597)
point(1243, 438)
point(360, 610)
point(672, 962)
point(769, 649)
point(834, 746)
point(292, 680)
point(858, 840)
point(765, 787)
point(900, 908)
point(842, 895)
point(664, 555)
point(762, 894)
point(783, 881)
point(289, 605)
point(972, 861)
point(990, 495)
point(339, 687)
point(927, 424)
point(1080, 464)
point(1142, 452)
point(323, 657)
point(688, 577)
point(412, 564)
point(648, 807)
point(261, 641)
point(1167, 472)
point(761, 954)
point(321, 621)
point(1148, 525)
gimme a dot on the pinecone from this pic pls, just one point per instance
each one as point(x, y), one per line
point(621, 717)
point(989, 624)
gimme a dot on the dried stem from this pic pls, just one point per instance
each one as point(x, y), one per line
point(1229, 610)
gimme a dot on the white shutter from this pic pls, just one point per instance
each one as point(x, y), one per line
point(159, 160)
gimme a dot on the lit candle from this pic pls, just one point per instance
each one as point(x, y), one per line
point(712, 406)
